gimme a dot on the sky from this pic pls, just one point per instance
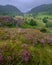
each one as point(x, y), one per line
point(25, 5)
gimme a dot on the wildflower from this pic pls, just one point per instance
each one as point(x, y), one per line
point(26, 56)
point(1, 58)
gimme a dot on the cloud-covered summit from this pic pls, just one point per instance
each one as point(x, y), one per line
point(25, 5)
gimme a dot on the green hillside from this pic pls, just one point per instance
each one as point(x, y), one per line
point(9, 10)
point(43, 9)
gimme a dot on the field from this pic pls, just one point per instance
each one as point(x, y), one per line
point(25, 47)
point(25, 32)
point(26, 40)
point(44, 15)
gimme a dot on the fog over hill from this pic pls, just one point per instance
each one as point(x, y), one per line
point(12, 10)
point(42, 9)
point(25, 5)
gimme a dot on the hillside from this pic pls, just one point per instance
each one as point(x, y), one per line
point(8, 21)
point(43, 9)
point(9, 10)
point(25, 47)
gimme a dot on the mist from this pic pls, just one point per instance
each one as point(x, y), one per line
point(25, 5)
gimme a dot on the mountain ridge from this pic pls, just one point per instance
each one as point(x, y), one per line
point(12, 10)
point(9, 10)
point(45, 8)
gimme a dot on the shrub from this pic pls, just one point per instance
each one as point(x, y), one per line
point(45, 20)
point(33, 22)
point(9, 24)
point(44, 30)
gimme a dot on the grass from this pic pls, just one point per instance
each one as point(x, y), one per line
point(15, 43)
point(42, 16)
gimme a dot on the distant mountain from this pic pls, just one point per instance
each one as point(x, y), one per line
point(9, 10)
point(44, 9)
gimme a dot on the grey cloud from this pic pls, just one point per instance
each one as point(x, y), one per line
point(25, 5)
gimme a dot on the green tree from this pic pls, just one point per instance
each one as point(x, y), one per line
point(45, 20)
point(33, 22)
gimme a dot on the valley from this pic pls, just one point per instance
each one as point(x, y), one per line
point(26, 38)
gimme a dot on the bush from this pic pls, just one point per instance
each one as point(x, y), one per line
point(45, 20)
point(33, 22)
point(43, 30)
point(8, 24)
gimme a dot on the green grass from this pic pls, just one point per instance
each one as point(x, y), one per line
point(42, 16)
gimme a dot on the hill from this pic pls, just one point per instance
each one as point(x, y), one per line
point(43, 9)
point(9, 10)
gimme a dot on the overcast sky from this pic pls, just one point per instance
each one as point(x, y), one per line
point(25, 5)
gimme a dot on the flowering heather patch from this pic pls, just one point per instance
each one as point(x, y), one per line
point(1, 58)
point(26, 56)
point(8, 21)
point(25, 47)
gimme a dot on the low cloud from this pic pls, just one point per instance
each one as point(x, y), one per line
point(25, 5)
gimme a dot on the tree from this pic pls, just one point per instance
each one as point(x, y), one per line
point(33, 22)
point(45, 20)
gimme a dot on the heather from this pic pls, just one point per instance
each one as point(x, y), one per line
point(25, 47)
point(44, 23)
point(25, 34)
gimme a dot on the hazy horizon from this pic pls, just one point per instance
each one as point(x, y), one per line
point(24, 5)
